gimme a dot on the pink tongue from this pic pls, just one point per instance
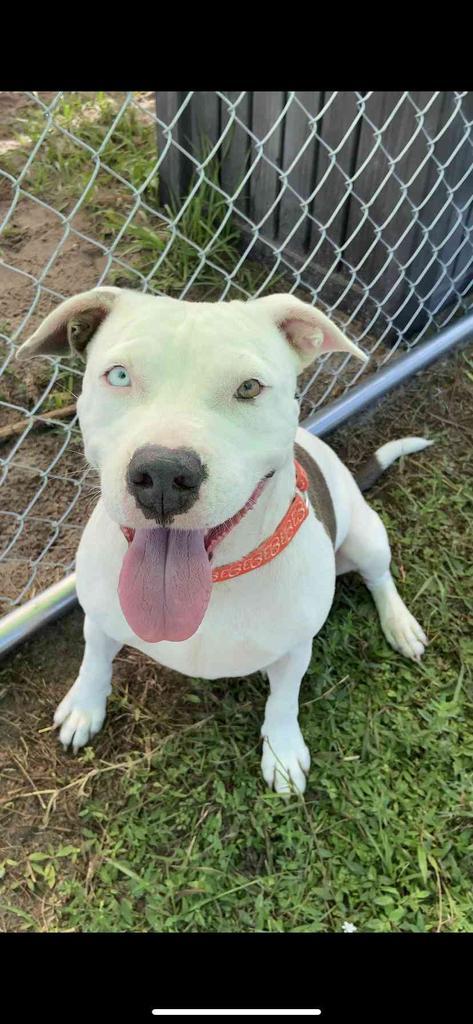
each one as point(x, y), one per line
point(165, 583)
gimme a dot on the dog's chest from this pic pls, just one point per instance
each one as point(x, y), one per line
point(251, 621)
point(250, 624)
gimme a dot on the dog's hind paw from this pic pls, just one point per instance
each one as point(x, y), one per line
point(78, 718)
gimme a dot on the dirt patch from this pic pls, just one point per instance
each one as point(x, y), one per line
point(35, 243)
point(35, 238)
point(44, 510)
point(45, 499)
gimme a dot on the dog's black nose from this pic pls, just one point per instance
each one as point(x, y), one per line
point(164, 481)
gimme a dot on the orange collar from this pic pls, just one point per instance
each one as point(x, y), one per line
point(273, 545)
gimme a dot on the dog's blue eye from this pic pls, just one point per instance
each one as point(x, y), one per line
point(118, 377)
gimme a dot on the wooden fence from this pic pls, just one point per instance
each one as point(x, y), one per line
point(381, 184)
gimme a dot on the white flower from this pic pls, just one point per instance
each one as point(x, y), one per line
point(348, 927)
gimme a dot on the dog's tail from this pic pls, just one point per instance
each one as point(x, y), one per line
point(369, 471)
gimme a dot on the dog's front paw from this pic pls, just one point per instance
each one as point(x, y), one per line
point(403, 632)
point(80, 717)
point(286, 759)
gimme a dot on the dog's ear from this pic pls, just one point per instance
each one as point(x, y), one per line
point(70, 327)
point(306, 328)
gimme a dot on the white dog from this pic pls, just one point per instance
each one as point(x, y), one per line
point(204, 551)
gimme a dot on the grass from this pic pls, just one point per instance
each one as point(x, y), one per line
point(64, 172)
point(64, 165)
point(165, 824)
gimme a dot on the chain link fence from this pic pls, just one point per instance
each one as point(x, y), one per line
point(359, 202)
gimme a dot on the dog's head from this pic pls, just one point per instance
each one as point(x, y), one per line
point(186, 408)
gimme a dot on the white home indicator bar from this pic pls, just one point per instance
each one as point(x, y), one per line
point(238, 1013)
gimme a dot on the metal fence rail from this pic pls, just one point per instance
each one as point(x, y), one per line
point(359, 202)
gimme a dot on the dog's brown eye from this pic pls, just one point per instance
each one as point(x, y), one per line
point(249, 388)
